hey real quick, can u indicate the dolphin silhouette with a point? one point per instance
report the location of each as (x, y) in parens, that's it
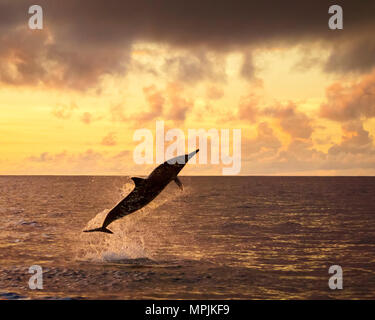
(146, 190)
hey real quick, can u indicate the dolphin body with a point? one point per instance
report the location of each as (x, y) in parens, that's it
(146, 190)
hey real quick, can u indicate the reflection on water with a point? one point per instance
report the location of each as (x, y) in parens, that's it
(222, 237)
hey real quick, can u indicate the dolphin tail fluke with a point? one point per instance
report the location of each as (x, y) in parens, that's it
(101, 229)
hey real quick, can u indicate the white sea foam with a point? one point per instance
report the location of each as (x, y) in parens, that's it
(130, 233)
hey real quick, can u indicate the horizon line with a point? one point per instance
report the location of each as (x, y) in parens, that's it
(119, 175)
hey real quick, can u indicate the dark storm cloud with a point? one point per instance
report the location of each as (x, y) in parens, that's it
(12, 13)
(355, 56)
(92, 38)
(213, 23)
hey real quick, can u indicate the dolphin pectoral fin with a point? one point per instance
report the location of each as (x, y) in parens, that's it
(179, 183)
(138, 181)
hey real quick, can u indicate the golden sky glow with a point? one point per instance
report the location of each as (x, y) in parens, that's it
(296, 118)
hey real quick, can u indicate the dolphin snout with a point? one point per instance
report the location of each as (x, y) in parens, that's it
(191, 154)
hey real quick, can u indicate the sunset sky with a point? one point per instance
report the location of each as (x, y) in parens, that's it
(72, 94)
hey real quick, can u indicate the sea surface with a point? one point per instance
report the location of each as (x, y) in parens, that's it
(220, 238)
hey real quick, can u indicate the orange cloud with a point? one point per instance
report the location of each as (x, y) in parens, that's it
(351, 101)
(86, 117)
(248, 108)
(109, 139)
(64, 111)
(294, 122)
(355, 140)
(214, 93)
(170, 103)
(155, 101)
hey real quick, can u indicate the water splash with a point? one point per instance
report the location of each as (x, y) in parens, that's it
(131, 233)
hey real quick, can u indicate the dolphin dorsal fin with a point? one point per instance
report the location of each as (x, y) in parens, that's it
(138, 181)
(179, 183)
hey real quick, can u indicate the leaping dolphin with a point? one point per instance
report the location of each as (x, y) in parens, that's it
(146, 190)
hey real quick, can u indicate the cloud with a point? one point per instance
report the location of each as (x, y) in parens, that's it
(214, 93)
(196, 65)
(76, 49)
(179, 103)
(170, 102)
(86, 117)
(353, 55)
(355, 140)
(265, 154)
(123, 154)
(118, 113)
(211, 23)
(47, 157)
(87, 162)
(347, 102)
(266, 141)
(292, 121)
(87, 156)
(22, 56)
(109, 139)
(63, 111)
(249, 70)
(248, 108)
(310, 57)
(155, 100)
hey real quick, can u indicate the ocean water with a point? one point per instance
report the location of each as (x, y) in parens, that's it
(221, 238)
